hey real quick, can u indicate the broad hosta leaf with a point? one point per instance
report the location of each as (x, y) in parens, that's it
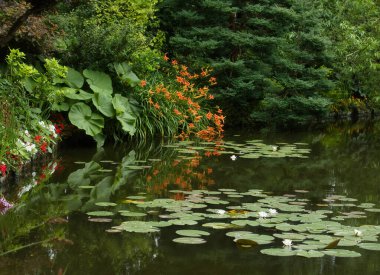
(124, 114)
(99, 82)
(76, 94)
(103, 102)
(124, 71)
(74, 79)
(81, 116)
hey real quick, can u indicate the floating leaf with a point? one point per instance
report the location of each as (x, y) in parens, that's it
(192, 233)
(341, 253)
(105, 204)
(137, 226)
(189, 240)
(278, 252)
(245, 242)
(310, 254)
(100, 213)
(370, 246)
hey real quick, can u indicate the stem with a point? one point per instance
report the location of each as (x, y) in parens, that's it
(22, 247)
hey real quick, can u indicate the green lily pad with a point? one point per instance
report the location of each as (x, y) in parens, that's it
(100, 213)
(189, 240)
(126, 213)
(310, 254)
(192, 233)
(219, 225)
(370, 246)
(282, 252)
(137, 226)
(341, 253)
(105, 204)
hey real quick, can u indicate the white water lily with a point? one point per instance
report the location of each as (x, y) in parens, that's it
(233, 157)
(220, 211)
(287, 242)
(275, 148)
(358, 233)
(272, 211)
(263, 214)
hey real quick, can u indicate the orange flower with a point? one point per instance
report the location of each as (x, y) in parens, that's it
(177, 112)
(143, 83)
(166, 58)
(210, 97)
(174, 62)
(209, 115)
(157, 106)
(212, 80)
(191, 125)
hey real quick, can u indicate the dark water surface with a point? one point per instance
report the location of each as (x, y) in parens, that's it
(49, 232)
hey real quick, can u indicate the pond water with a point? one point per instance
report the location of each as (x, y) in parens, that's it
(117, 210)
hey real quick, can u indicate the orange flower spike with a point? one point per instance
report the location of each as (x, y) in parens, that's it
(212, 81)
(209, 115)
(143, 83)
(178, 113)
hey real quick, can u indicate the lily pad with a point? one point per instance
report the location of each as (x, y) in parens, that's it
(189, 240)
(310, 254)
(100, 213)
(341, 253)
(105, 204)
(192, 233)
(282, 252)
(370, 246)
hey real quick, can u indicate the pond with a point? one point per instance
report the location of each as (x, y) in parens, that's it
(254, 203)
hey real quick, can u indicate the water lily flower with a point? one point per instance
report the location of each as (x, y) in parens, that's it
(220, 211)
(233, 157)
(358, 233)
(272, 211)
(287, 242)
(275, 148)
(263, 214)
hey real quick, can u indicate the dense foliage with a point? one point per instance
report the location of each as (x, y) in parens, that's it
(279, 63)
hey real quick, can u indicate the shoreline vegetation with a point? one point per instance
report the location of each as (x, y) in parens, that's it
(127, 69)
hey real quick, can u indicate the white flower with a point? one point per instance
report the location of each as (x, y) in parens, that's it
(275, 148)
(27, 133)
(287, 242)
(263, 214)
(42, 123)
(358, 233)
(272, 211)
(51, 128)
(220, 211)
(34, 174)
(233, 157)
(30, 147)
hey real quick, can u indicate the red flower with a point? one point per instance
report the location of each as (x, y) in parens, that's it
(37, 139)
(3, 169)
(43, 147)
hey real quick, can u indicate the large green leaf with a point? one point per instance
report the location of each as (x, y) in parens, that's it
(76, 94)
(81, 116)
(74, 79)
(124, 114)
(99, 82)
(103, 102)
(125, 72)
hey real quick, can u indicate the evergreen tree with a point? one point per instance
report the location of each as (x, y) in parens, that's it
(268, 55)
